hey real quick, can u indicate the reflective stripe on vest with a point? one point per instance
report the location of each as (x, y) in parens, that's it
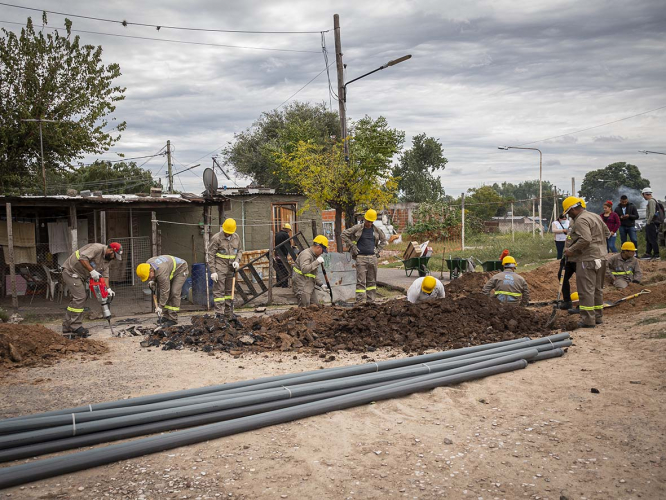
(224, 256)
(173, 271)
(171, 308)
(78, 255)
(622, 272)
(308, 275)
(74, 309)
(371, 288)
(587, 308)
(512, 294)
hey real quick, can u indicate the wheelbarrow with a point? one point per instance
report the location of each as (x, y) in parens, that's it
(419, 264)
(492, 265)
(456, 266)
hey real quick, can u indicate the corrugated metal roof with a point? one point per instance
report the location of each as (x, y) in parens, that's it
(117, 198)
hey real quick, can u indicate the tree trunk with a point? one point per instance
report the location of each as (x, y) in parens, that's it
(338, 228)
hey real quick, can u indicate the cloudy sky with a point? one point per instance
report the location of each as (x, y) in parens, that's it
(483, 74)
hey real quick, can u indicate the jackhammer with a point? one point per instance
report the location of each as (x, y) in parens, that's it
(99, 290)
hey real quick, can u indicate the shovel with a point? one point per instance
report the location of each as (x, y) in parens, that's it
(159, 316)
(551, 320)
(624, 299)
(328, 283)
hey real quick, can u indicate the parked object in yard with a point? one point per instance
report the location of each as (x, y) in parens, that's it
(419, 264)
(456, 267)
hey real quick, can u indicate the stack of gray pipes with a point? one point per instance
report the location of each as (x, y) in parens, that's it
(222, 410)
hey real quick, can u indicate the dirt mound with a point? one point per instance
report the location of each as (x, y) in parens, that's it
(656, 297)
(30, 345)
(438, 324)
(543, 282)
(466, 284)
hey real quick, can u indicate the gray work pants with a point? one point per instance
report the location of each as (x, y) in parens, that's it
(304, 289)
(78, 291)
(366, 278)
(222, 292)
(590, 284)
(172, 305)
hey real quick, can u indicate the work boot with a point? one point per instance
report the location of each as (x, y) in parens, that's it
(646, 257)
(584, 325)
(565, 305)
(656, 258)
(80, 333)
(598, 321)
(574, 310)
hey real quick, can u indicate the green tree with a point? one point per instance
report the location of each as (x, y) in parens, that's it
(51, 76)
(110, 178)
(255, 151)
(435, 221)
(416, 181)
(484, 202)
(527, 190)
(364, 181)
(606, 183)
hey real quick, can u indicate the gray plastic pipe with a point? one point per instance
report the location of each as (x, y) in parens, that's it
(42, 469)
(24, 438)
(246, 384)
(60, 420)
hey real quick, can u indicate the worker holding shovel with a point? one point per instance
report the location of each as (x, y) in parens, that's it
(305, 278)
(224, 254)
(165, 274)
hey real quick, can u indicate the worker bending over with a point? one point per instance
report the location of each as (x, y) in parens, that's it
(90, 261)
(166, 274)
(427, 288)
(365, 241)
(304, 278)
(588, 250)
(623, 268)
(224, 254)
(509, 286)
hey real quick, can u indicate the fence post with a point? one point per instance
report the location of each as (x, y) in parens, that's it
(271, 247)
(513, 234)
(533, 217)
(206, 239)
(462, 236)
(10, 251)
(102, 226)
(131, 242)
(73, 231)
(153, 234)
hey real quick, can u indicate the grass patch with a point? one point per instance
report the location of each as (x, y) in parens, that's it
(659, 334)
(651, 321)
(654, 307)
(4, 315)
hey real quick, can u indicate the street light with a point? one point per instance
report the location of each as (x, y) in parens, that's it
(41, 143)
(651, 152)
(506, 148)
(344, 94)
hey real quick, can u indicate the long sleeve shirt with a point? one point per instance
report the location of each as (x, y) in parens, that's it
(416, 295)
(306, 265)
(650, 210)
(223, 251)
(588, 237)
(618, 268)
(509, 288)
(94, 254)
(630, 211)
(612, 221)
(165, 267)
(350, 237)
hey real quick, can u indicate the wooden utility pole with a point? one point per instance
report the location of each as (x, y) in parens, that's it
(73, 228)
(513, 234)
(153, 233)
(533, 218)
(271, 252)
(206, 241)
(102, 226)
(462, 211)
(573, 186)
(10, 251)
(342, 99)
(170, 173)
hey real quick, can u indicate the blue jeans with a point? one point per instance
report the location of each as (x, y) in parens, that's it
(628, 231)
(610, 244)
(560, 249)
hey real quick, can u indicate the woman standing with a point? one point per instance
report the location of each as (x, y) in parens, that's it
(560, 228)
(612, 220)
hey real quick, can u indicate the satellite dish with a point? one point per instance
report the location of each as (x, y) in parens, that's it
(210, 181)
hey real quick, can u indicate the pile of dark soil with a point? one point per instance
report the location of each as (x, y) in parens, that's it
(466, 284)
(438, 324)
(30, 345)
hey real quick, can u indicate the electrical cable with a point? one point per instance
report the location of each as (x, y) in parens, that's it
(157, 26)
(290, 97)
(170, 40)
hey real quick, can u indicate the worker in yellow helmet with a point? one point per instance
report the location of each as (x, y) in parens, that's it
(509, 287)
(224, 254)
(365, 241)
(281, 255)
(426, 288)
(304, 278)
(166, 275)
(587, 249)
(623, 268)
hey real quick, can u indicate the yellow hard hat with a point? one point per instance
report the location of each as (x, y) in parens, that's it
(574, 297)
(321, 240)
(582, 203)
(508, 260)
(428, 284)
(287, 226)
(629, 246)
(570, 202)
(143, 271)
(371, 215)
(229, 226)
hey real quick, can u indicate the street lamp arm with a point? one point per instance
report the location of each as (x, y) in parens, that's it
(651, 152)
(387, 65)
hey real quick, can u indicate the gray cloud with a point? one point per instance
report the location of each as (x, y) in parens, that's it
(610, 138)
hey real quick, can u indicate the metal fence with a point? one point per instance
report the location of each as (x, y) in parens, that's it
(132, 296)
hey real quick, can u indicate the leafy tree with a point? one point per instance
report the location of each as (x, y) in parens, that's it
(255, 151)
(51, 76)
(607, 183)
(435, 221)
(110, 178)
(322, 174)
(527, 190)
(416, 168)
(484, 202)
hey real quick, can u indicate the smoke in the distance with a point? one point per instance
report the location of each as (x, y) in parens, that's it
(613, 195)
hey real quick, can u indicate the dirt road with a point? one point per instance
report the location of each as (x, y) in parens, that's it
(536, 433)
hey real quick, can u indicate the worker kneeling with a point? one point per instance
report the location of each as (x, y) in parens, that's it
(427, 288)
(304, 278)
(509, 286)
(623, 268)
(166, 275)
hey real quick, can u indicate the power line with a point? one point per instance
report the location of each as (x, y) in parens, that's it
(292, 95)
(177, 41)
(159, 26)
(596, 126)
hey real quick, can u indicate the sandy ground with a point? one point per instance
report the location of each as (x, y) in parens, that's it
(536, 433)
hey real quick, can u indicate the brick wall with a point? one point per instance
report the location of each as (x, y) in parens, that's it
(328, 221)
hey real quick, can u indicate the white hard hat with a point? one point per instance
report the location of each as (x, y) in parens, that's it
(647, 190)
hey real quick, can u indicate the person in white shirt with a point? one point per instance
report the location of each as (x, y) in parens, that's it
(560, 229)
(426, 288)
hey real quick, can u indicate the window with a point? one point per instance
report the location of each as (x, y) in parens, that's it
(329, 230)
